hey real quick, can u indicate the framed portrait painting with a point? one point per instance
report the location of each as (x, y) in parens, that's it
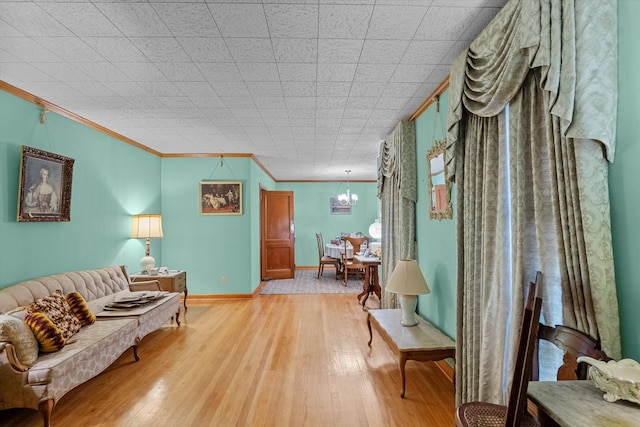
(44, 192)
(220, 198)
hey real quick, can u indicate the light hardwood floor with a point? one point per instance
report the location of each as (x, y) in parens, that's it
(276, 360)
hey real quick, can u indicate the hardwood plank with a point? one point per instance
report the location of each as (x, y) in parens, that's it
(275, 360)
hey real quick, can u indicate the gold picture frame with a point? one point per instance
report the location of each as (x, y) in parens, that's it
(220, 197)
(44, 192)
(438, 188)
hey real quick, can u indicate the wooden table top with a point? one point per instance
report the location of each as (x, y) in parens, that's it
(410, 338)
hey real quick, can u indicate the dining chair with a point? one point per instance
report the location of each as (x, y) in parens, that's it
(324, 259)
(352, 263)
(484, 414)
(574, 343)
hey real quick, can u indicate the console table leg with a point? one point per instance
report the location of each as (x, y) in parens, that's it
(402, 362)
(369, 325)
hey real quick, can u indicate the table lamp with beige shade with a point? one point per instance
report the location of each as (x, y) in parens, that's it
(407, 281)
(146, 226)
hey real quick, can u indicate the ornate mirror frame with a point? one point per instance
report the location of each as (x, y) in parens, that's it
(438, 188)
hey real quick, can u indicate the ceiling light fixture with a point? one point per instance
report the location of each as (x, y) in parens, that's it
(348, 198)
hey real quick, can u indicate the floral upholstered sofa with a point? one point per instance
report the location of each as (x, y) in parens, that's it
(33, 378)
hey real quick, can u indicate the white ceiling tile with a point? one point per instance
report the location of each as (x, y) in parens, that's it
(391, 103)
(31, 20)
(336, 72)
(331, 102)
(270, 102)
(178, 102)
(329, 113)
(23, 48)
(126, 88)
(6, 30)
(300, 102)
(21, 70)
(295, 50)
(161, 88)
(220, 72)
(102, 71)
(82, 19)
(302, 113)
(232, 102)
(194, 89)
(344, 21)
(383, 51)
(205, 49)
(292, 21)
(140, 71)
(115, 49)
(258, 89)
(357, 113)
(333, 88)
(481, 21)
(299, 88)
(339, 51)
(297, 72)
(393, 23)
(400, 89)
(240, 20)
(231, 89)
(374, 72)
(134, 19)
(357, 102)
(371, 89)
(180, 72)
(446, 23)
(426, 52)
(161, 49)
(411, 73)
(69, 49)
(274, 113)
(188, 19)
(259, 72)
(251, 50)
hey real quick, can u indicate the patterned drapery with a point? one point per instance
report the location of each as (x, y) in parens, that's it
(397, 191)
(532, 109)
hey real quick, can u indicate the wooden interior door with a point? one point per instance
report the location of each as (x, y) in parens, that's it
(277, 235)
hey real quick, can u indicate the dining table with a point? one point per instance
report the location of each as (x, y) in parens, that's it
(335, 251)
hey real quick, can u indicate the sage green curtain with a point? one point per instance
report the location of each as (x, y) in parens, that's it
(532, 109)
(397, 191)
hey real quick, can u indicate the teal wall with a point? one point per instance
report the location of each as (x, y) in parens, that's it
(312, 214)
(111, 181)
(436, 238)
(624, 178)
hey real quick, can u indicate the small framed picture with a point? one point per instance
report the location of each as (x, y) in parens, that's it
(220, 198)
(44, 192)
(339, 206)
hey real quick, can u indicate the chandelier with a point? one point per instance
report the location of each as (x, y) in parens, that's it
(348, 197)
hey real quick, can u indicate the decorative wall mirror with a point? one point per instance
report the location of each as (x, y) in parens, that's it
(439, 189)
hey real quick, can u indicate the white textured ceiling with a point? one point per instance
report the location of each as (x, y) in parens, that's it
(310, 87)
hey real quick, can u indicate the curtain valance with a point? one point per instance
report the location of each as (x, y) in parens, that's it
(547, 34)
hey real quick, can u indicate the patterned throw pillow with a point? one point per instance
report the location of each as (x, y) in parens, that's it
(80, 309)
(56, 308)
(16, 332)
(49, 337)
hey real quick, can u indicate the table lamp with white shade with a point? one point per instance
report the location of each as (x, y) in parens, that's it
(407, 281)
(146, 226)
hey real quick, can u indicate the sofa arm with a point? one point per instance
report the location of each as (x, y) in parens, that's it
(12, 357)
(149, 285)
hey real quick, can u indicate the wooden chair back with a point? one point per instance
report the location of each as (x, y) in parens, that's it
(524, 360)
(574, 343)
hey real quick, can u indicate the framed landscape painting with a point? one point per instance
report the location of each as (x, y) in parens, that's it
(220, 198)
(44, 192)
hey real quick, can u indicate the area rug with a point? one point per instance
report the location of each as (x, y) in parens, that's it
(305, 282)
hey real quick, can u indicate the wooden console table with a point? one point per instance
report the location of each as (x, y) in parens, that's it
(423, 342)
(173, 281)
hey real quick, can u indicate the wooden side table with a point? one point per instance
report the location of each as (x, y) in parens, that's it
(422, 342)
(172, 281)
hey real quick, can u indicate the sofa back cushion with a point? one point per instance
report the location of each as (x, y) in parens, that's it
(91, 284)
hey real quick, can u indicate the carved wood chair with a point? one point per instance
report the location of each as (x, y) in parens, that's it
(324, 259)
(484, 414)
(575, 343)
(352, 263)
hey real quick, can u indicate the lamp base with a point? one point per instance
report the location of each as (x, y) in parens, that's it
(408, 305)
(147, 262)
